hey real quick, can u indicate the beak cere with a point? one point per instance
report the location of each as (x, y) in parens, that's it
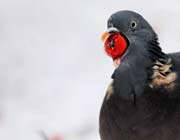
(115, 45)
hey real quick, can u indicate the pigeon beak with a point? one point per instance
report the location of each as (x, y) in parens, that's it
(107, 33)
(105, 36)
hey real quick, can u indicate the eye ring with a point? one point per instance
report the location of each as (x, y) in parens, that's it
(133, 24)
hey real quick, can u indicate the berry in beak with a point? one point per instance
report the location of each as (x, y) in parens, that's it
(115, 45)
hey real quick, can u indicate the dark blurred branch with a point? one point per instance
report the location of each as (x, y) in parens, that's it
(43, 135)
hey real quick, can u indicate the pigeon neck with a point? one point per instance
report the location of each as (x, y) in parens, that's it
(162, 74)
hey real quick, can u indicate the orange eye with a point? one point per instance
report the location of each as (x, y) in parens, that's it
(115, 45)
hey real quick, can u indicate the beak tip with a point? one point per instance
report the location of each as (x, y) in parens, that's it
(107, 33)
(104, 36)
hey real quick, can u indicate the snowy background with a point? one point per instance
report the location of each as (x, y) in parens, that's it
(53, 72)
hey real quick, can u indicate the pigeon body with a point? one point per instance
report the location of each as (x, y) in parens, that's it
(143, 100)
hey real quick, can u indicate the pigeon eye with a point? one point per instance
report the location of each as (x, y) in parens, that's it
(133, 24)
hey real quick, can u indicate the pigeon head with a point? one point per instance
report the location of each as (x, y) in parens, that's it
(129, 24)
(128, 31)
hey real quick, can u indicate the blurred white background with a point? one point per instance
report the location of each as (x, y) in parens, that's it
(53, 71)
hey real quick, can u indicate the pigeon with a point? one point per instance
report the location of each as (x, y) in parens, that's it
(143, 100)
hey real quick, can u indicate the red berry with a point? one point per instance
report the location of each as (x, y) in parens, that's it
(115, 45)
